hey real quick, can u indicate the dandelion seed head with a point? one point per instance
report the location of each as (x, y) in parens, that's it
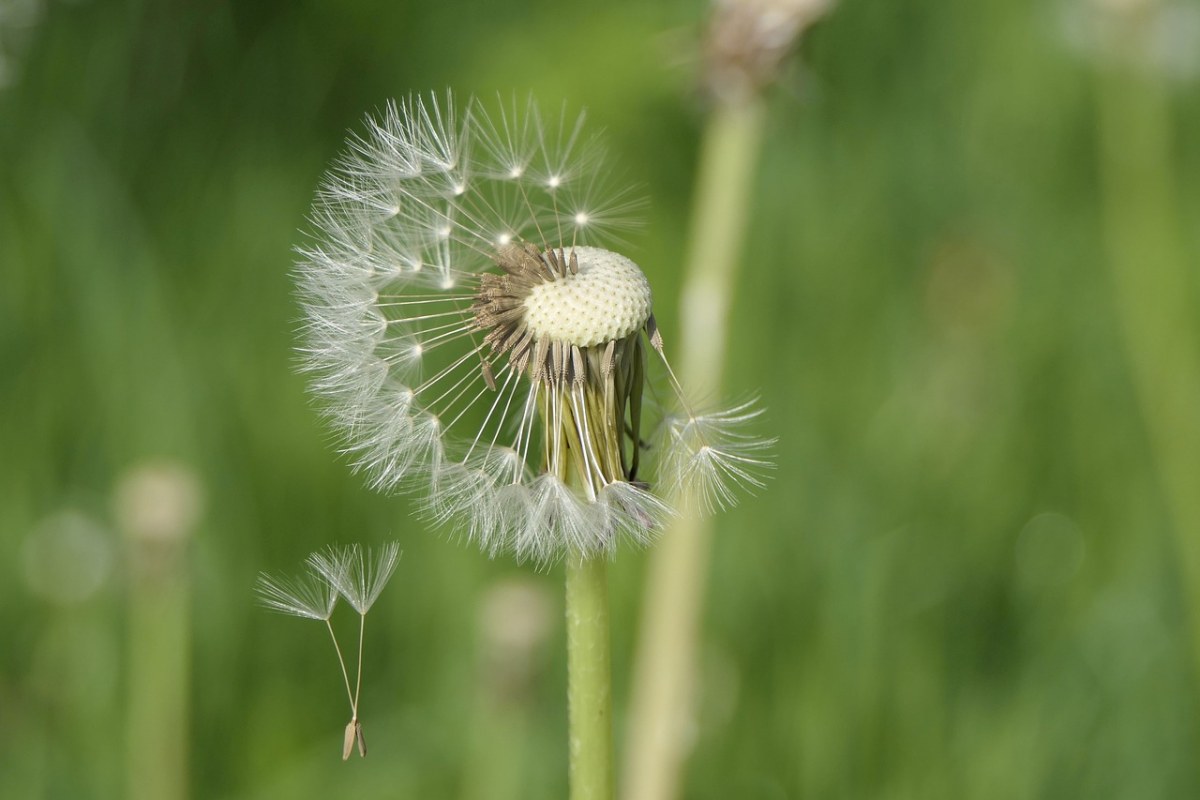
(477, 338)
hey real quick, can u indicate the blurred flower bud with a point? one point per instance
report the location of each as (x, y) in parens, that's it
(1161, 36)
(158, 502)
(748, 40)
(157, 506)
(515, 620)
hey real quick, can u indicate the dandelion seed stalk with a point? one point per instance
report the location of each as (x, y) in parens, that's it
(342, 663)
(362, 626)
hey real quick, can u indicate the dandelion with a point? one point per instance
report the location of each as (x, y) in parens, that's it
(473, 340)
(352, 573)
(357, 574)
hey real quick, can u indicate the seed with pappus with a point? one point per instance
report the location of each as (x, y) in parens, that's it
(475, 340)
(352, 572)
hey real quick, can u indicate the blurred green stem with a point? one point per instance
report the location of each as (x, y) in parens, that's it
(677, 575)
(159, 654)
(500, 745)
(1155, 294)
(589, 685)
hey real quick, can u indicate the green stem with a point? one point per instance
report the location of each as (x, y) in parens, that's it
(1155, 289)
(160, 650)
(728, 157)
(677, 574)
(589, 685)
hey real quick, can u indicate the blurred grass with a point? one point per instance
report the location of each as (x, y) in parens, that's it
(962, 582)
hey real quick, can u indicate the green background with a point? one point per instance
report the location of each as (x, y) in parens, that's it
(962, 580)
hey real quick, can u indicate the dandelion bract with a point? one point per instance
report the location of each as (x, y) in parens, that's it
(474, 338)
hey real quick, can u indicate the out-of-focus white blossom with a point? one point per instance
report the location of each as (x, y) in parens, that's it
(748, 40)
(1162, 36)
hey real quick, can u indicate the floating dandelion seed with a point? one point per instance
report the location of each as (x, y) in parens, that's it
(305, 596)
(356, 573)
(351, 572)
(473, 340)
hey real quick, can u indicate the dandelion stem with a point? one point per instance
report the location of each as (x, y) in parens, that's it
(589, 687)
(345, 677)
(159, 654)
(676, 577)
(1155, 297)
